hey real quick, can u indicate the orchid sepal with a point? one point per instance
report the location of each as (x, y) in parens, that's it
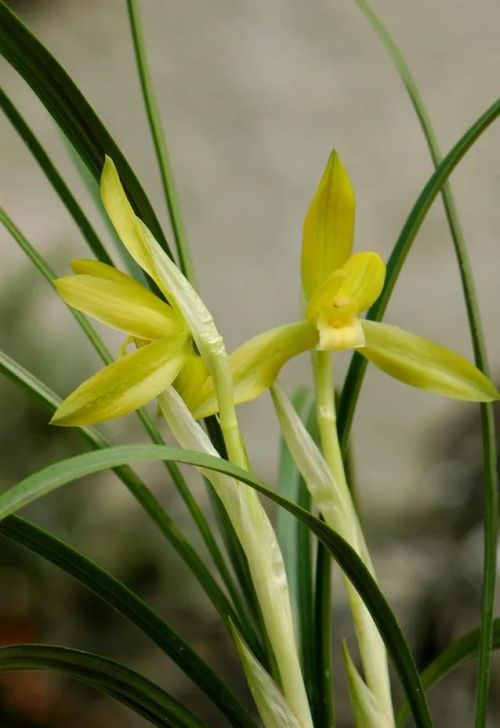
(328, 226)
(125, 385)
(424, 364)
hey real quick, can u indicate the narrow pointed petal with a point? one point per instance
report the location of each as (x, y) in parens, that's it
(366, 708)
(254, 366)
(123, 218)
(83, 266)
(125, 385)
(122, 303)
(424, 364)
(328, 227)
(270, 701)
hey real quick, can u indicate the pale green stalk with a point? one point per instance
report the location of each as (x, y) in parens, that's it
(261, 548)
(372, 649)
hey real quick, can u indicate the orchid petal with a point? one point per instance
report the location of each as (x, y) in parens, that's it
(121, 302)
(348, 290)
(424, 364)
(364, 279)
(125, 385)
(328, 227)
(84, 266)
(123, 217)
(254, 366)
(192, 377)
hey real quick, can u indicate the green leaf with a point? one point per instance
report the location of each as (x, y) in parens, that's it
(357, 367)
(323, 695)
(159, 142)
(110, 677)
(54, 178)
(490, 457)
(367, 712)
(270, 701)
(66, 471)
(93, 189)
(124, 601)
(44, 268)
(145, 497)
(71, 111)
(452, 657)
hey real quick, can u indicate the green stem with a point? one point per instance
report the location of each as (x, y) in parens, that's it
(490, 489)
(159, 142)
(327, 417)
(371, 646)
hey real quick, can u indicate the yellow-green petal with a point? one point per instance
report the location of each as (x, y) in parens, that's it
(328, 227)
(84, 266)
(424, 364)
(348, 290)
(364, 275)
(125, 385)
(123, 218)
(122, 303)
(254, 366)
(191, 379)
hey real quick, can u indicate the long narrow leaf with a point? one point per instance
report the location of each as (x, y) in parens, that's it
(43, 267)
(110, 677)
(71, 111)
(54, 178)
(144, 496)
(323, 695)
(93, 188)
(452, 657)
(159, 142)
(490, 458)
(124, 601)
(357, 367)
(53, 477)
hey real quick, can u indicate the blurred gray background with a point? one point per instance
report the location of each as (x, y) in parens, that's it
(253, 96)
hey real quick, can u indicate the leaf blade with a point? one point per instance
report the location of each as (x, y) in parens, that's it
(110, 677)
(127, 603)
(71, 111)
(63, 472)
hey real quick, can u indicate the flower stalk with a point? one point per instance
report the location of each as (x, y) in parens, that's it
(332, 498)
(261, 548)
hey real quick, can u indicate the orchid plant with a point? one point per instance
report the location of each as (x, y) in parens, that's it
(173, 353)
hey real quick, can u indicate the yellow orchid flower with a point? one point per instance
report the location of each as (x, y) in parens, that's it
(164, 342)
(339, 286)
(162, 334)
